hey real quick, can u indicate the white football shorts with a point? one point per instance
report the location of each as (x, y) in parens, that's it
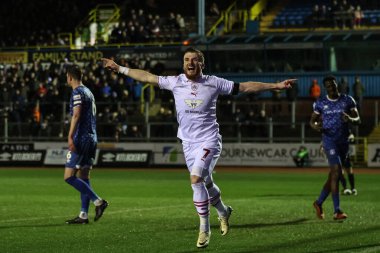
(201, 157)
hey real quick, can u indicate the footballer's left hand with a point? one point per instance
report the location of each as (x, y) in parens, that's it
(110, 64)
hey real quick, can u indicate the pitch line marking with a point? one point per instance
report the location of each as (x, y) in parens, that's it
(110, 212)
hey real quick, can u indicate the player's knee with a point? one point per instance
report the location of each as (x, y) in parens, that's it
(334, 174)
(70, 179)
(194, 179)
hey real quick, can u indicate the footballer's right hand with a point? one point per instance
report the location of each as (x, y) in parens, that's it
(110, 64)
(317, 125)
(71, 145)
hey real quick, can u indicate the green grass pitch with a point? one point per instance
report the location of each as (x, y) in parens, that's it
(152, 211)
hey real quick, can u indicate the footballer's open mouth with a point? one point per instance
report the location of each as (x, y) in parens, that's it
(190, 68)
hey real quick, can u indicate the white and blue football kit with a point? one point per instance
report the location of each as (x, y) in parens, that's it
(335, 130)
(85, 138)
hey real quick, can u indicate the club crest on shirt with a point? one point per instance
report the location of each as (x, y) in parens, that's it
(194, 86)
(332, 151)
(193, 103)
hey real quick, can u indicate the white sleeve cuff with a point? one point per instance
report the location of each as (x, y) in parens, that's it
(123, 70)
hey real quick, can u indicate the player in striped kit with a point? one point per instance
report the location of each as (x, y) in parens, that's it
(195, 97)
(332, 115)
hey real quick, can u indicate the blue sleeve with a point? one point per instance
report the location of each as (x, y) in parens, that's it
(317, 108)
(76, 98)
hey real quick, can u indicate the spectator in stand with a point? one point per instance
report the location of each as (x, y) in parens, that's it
(121, 90)
(141, 17)
(122, 120)
(125, 35)
(239, 115)
(18, 109)
(262, 121)
(163, 130)
(130, 32)
(358, 17)
(180, 24)
(172, 22)
(324, 16)
(135, 132)
(106, 92)
(315, 16)
(24, 89)
(345, 14)
(343, 86)
(358, 90)
(142, 35)
(154, 30)
(42, 91)
(45, 128)
(315, 90)
(6, 94)
(116, 34)
(180, 21)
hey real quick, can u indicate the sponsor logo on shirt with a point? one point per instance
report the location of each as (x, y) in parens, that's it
(193, 103)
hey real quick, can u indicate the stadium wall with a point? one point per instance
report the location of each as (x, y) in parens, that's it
(170, 154)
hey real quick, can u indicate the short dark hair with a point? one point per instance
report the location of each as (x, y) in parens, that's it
(198, 52)
(329, 78)
(75, 72)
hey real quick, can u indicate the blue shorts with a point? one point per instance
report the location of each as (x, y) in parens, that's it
(337, 153)
(83, 157)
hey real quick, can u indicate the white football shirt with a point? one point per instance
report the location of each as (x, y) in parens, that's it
(195, 103)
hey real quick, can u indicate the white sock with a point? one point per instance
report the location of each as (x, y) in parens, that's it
(98, 202)
(204, 223)
(216, 200)
(83, 215)
(201, 203)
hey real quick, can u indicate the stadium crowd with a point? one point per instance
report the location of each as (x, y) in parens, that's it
(140, 22)
(340, 13)
(34, 94)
